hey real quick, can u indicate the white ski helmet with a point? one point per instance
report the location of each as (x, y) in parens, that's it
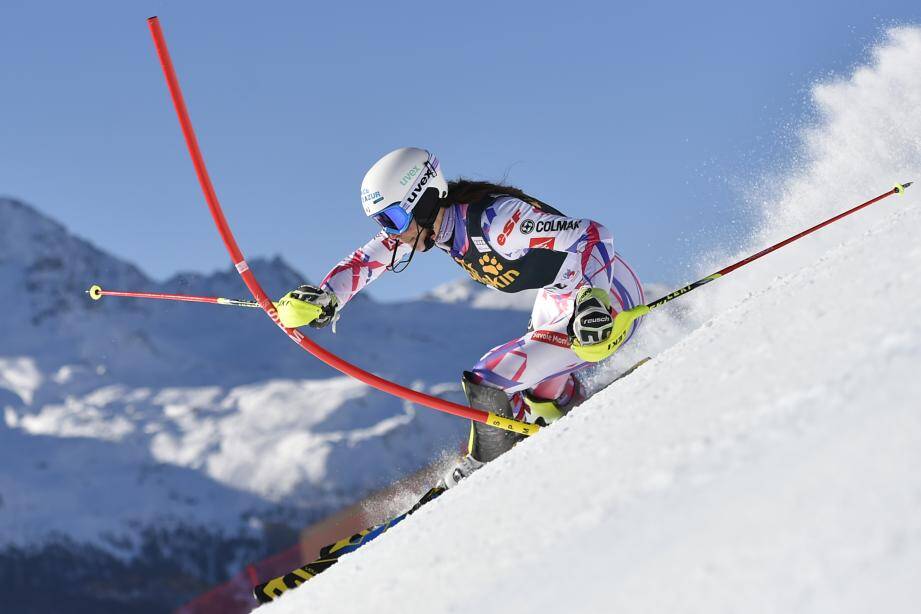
(394, 187)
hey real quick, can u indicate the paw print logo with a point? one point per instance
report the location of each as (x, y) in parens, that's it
(490, 265)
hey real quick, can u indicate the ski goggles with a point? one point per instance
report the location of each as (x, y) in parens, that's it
(394, 219)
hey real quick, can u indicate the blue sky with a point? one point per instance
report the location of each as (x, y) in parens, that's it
(656, 121)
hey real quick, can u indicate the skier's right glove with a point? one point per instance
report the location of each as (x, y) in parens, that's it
(308, 305)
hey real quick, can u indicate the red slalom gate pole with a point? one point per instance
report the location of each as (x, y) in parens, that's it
(256, 290)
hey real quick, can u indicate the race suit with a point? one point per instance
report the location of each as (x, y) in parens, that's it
(513, 245)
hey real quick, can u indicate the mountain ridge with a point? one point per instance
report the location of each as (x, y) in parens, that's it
(180, 385)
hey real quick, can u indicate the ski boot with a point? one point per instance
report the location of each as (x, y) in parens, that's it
(464, 468)
(545, 412)
(486, 443)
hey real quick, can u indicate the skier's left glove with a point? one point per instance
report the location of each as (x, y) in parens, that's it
(595, 335)
(308, 305)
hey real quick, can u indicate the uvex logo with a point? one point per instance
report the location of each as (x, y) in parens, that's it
(420, 185)
(409, 175)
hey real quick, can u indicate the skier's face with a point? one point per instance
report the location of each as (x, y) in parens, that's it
(412, 236)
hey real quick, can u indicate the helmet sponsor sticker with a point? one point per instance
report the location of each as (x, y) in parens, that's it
(419, 187)
(372, 197)
(406, 178)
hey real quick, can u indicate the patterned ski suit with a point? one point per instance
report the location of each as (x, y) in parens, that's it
(512, 245)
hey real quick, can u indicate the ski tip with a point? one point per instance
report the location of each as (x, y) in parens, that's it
(153, 18)
(95, 292)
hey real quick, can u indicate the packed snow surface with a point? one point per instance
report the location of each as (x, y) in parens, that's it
(767, 462)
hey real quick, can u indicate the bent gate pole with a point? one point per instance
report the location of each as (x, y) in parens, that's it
(256, 290)
(333, 360)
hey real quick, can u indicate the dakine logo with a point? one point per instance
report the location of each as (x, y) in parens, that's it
(526, 227)
(420, 186)
(556, 225)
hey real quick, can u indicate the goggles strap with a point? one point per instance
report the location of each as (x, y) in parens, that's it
(393, 264)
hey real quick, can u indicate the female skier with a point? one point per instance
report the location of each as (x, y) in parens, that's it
(589, 302)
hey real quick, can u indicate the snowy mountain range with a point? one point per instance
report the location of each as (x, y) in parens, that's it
(127, 423)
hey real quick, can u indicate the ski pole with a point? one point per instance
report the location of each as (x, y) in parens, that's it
(97, 293)
(236, 256)
(898, 189)
(623, 321)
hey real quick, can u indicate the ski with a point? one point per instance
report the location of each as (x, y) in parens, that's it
(636, 365)
(329, 555)
(619, 377)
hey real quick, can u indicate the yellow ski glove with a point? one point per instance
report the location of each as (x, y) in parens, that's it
(308, 305)
(595, 334)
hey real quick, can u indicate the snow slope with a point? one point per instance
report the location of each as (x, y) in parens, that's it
(166, 444)
(767, 462)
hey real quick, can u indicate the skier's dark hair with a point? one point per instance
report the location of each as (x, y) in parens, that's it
(460, 191)
(467, 191)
